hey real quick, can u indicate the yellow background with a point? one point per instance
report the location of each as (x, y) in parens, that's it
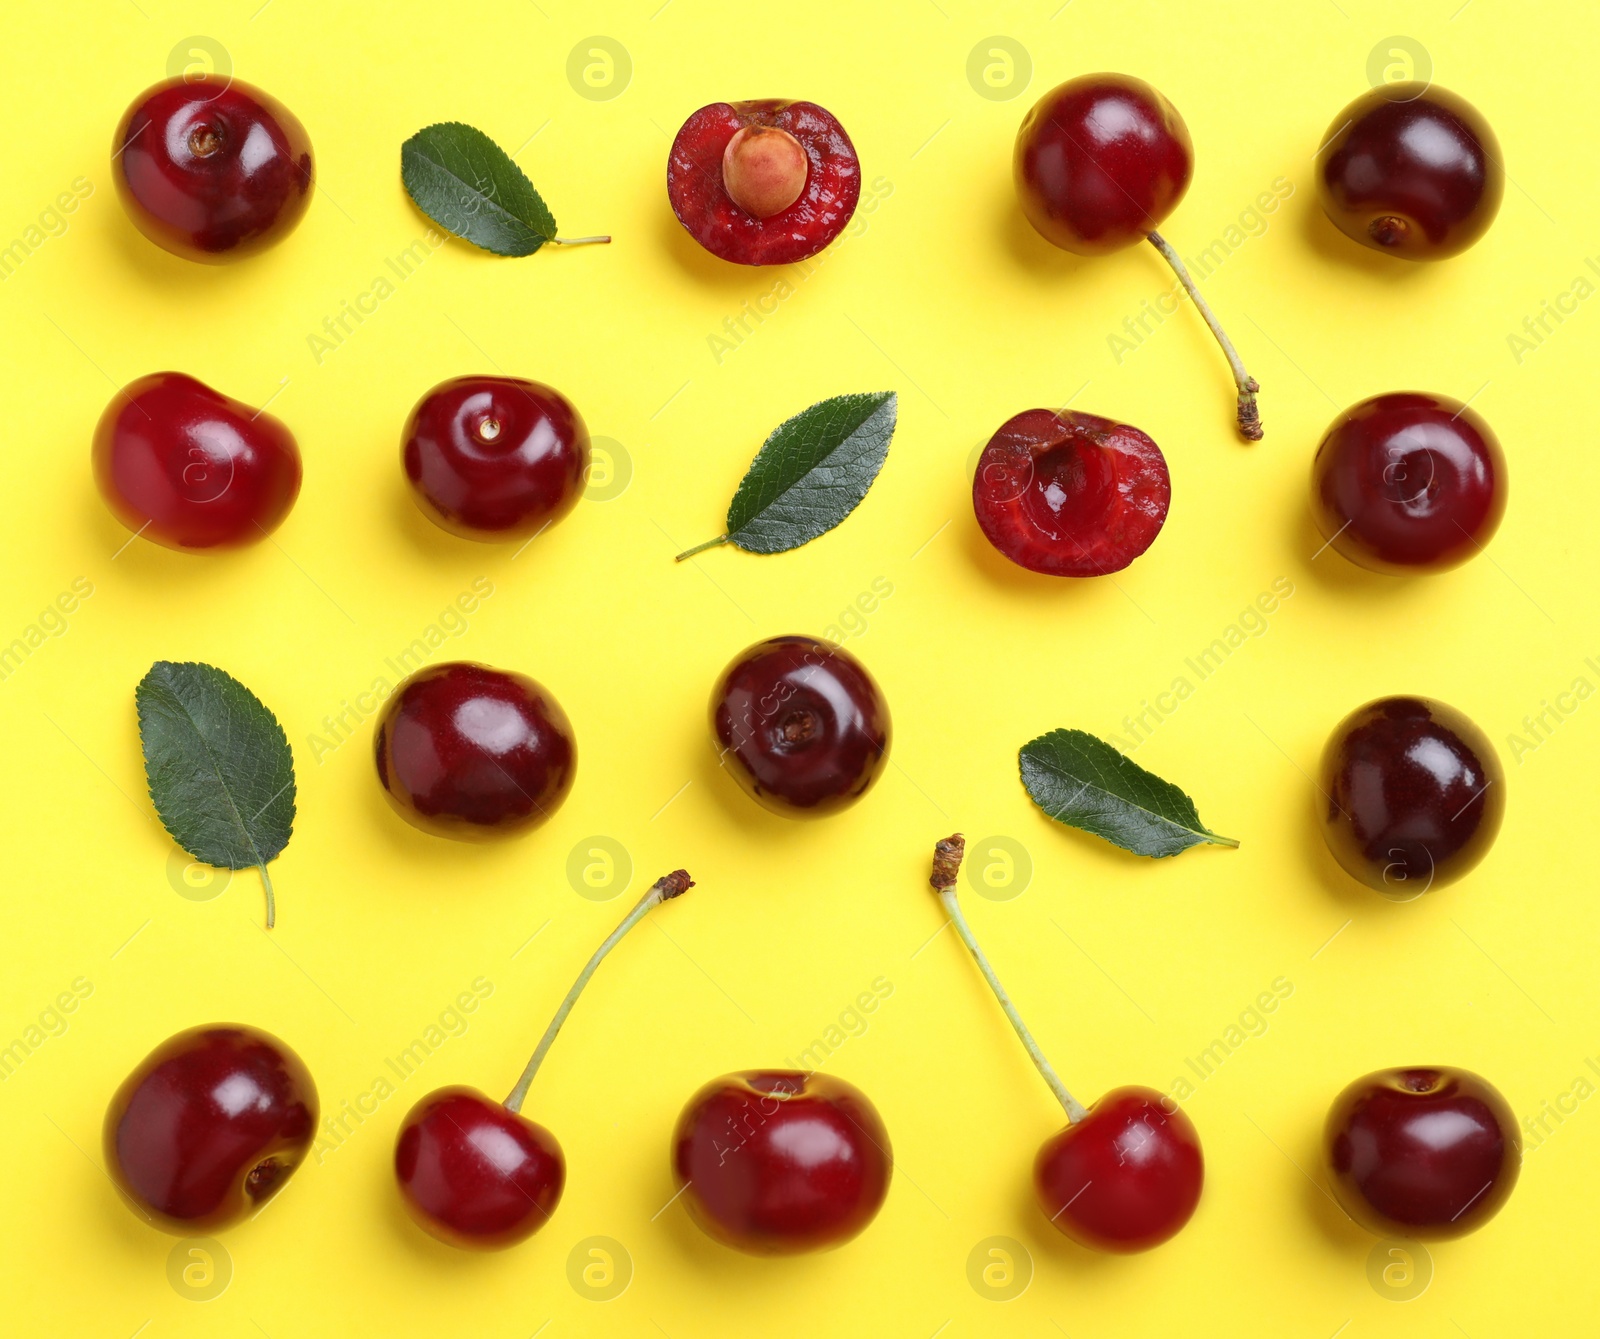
(1124, 967)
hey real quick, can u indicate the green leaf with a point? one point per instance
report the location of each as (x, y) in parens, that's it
(810, 474)
(468, 185)
(218, 764)
(1084, 782)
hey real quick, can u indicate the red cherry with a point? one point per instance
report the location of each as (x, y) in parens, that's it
(1408, 482)
(1412, 795)
(495, 458)
(474, 753)
(1126, 1173)
(476, 1173)
(1070, 494)
(190, 468)
(775, 1162)
(1100, 161)
(1124, 1178)
(209, 1126)
(1412, 170)
(800, 725)
(1431, 1152)
(709, 173)
(212, 169)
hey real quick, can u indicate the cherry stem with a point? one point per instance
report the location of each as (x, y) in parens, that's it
(577, 241)
(662, 890)
(1249, 414)
(701, 548)
(272, 907)
(947, 856)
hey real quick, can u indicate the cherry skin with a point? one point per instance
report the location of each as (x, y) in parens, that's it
(1413, 794)
(1411, 170)
(1431, 1152)
(475, 1175)
(775, 1162)
(800, 725)
(1408, 482)
(474, 753)
(1125, 1177)
(209, 1126)
(495, 458)
(1100, 162)
(733, 165)
(1070, 494)
(191, 468)
(212, 169)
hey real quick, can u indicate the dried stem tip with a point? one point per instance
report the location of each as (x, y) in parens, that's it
(947, 856)
(675, 884)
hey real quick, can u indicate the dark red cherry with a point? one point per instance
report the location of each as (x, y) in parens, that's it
(1100, 162)
(800, 725)
(1408, 482)
(1411, 169)
(775, 1162)
(190, 468)
(475, 1175)
(1431, 1152)
(495, 458)
(1126, 1176)
(734, 165)
(1412, 794)
(474, 753)
(209, 1126)
(1070, 494)
(212, 169)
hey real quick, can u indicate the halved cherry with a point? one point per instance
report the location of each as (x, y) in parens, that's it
(1070, 494)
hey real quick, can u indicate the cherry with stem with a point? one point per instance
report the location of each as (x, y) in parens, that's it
(1125, 1173)
(476, 1173)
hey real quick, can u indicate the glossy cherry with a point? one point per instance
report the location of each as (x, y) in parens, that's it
(1412, 170)
(1126, 1173)
(474, 753)
(212, 169)
(476, 1173)
(1070, 494)
(495, 458)
(1411, 795)
(1100, 161)
(800, 725)
(209, 1126)
(191, 468)
(767, 182)
(1429, 1152)
(775, 1162)
(1408, 482)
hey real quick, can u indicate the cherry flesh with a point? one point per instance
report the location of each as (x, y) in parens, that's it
(800, 725)
(474, 753)
(1124, 1178)
(1070, 494)
(474, 1174)
(1431, 1152)
(191, 468)
(212, 169)
(210, 1126)
(495, 458)
(1126, 1173)
(1412, 795)
(1412, 170)
(1100, 161)
(1408, 482)
(775, 1162)
(733, 162)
